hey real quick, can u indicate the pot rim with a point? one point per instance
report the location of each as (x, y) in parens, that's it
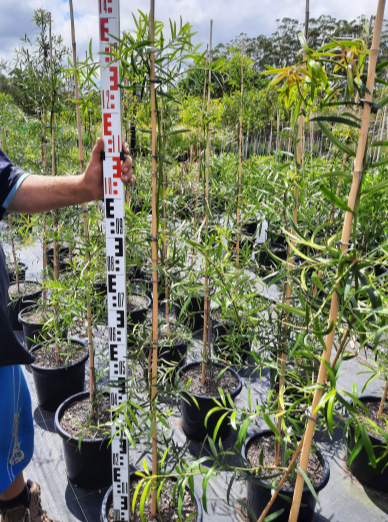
(40, 369)
(132, 474)
(139, 309)
(64, 434)
(25, 311)
(233, 394)
(317, 487)
(372, 398)
(37, 283)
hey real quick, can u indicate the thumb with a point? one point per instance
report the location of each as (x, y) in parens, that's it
(97, 149)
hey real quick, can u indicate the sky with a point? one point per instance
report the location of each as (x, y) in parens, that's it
(230, 18)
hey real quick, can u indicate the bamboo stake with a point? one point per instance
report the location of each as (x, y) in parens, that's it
(357, 178)
(240, 156)
(154, 264)
(383, 400)
(206, 300)
(164, 242)
(93, 387)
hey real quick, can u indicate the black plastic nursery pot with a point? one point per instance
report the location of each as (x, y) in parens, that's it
(171, 356)
(63, 253)
(22, 268)
(55, 385)
(139, 315)
(193, 415)
(266, 261)
(193, 312)
(377, 477)
(106, 503)
(222, 334)
(20, 303)
(259, 493)
(89, 463)
(33, 332)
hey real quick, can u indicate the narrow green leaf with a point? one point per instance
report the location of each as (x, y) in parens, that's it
(335, 141)
(273, 516)
(336, 119)
(308, 484)
(333, 198)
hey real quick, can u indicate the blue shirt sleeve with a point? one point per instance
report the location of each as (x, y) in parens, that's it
(11, 178)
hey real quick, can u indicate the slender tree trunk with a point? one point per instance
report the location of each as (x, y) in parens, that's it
(270, 141)
(206, 304)
(277, 137)
(200, 148)
(53, 167)
(240, 158)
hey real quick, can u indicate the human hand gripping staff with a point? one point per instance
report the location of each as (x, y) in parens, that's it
(21, 192)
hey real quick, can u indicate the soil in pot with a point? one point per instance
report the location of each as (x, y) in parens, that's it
(315, 469)
(69, 354)
(259, 493)
(79, 413)
(87, 455)
(374, 477)
(28, 294)
(198, 399)
(227, 381)
(167, 509)
(55, 382)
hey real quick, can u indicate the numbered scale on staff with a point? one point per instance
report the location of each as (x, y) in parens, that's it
(109, 19)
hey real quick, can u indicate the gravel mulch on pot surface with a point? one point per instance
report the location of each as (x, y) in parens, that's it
(69, 354)
(36, 317)
(167, 512)
(24, 288)
(79, 413)
(373, 409)
(227, 381)
(136, 302)
(315, 470)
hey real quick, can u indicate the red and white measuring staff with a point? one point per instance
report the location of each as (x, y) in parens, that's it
(109, 16)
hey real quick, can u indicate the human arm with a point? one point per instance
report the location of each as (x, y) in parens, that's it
(41, 193)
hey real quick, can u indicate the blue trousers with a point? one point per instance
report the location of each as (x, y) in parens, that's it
(16, 425)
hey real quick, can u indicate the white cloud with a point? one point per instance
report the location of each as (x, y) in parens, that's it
(230, 17)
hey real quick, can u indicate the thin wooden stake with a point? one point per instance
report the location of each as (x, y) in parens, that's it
(206, 300)
(200, 144)
(240, 156)
(53, 167)
(357, 178)
(154, 265)
(93, 386)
